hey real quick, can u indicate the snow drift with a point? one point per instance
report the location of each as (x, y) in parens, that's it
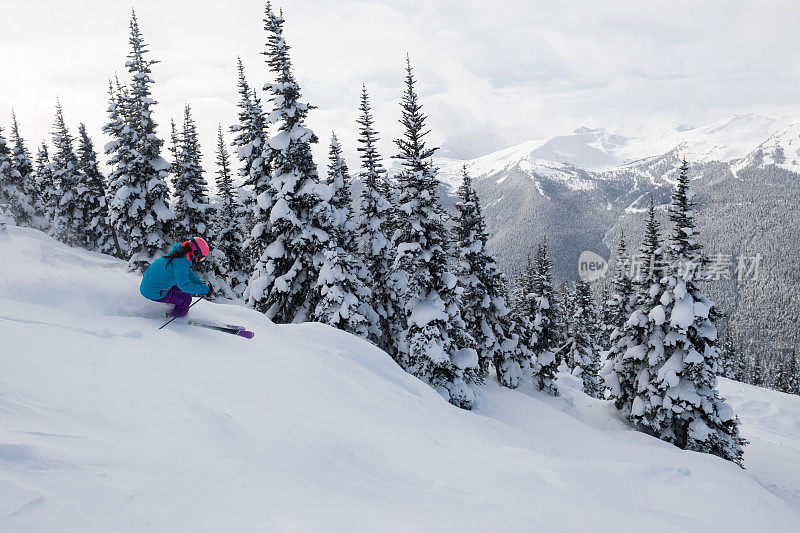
(107, 424)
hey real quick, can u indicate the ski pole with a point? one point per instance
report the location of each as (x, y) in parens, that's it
(187, 309)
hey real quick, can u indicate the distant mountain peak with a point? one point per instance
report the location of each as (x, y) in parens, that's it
(598, 149)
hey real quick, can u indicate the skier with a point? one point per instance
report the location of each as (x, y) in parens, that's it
(171, 280)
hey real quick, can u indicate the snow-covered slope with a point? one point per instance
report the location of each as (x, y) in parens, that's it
(107, 424)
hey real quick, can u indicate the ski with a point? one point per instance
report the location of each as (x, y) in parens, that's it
(232, 329)
(225, 329)
(231, 326)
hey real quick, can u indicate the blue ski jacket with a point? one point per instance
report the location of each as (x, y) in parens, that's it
(165, 273)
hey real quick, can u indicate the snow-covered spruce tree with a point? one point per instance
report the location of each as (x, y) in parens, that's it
(544, 320)
(582, 353)
(68, 223)
(120, 152)
(622, 299)
(252, 151)
(375, 232)
(98, 234)
(191, 205)
(341, 200)
(791, 371)
(9, 183)
(626, 371)
(566, 298)
(139, 203)
(483, 301)
(742, 369)
(46, 185)
(289, 233)
(681, 404)
(29, 201)
(230, 225)
(523, 311)
(174, 151)
(435, 344)
(728, 356)
(343, 282)
(756, 374)
(785, 373)
(603, 313)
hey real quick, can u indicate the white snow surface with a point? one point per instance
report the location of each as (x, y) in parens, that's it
(107, 424)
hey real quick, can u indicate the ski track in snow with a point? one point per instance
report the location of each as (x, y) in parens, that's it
(107, 424)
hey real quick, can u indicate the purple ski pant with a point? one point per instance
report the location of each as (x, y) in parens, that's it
(179, 299)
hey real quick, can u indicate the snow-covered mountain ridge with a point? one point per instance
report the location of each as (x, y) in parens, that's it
(583, 190)
(107, 424)
(597, 150)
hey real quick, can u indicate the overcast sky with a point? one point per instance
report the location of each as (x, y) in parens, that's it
(491, 73)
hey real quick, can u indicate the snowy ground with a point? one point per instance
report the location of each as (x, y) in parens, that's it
(109, 425)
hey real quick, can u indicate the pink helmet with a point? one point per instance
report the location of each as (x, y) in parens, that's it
(198, 244)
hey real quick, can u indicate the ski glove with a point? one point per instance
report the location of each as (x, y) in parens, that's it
(210, 289)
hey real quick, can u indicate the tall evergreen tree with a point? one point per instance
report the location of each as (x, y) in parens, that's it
(375, 231)
(9, 181)
(98, 232)
(191, 205)
(30, 206)
(343, 283)
(230, 225)
(483, 301)
(681, 404)
(68, 223)
(791, 369)
(742, 370)
(523, 311)
(544, 320)
(728, 356)
(626, 362)
(253, 152)
(566, 298)
(139, 204)
(341, 201)
(174, 149)
(46, 185)
(622, 299)
(290, 232)
(582, 353)
(435, 344)
(757, 373)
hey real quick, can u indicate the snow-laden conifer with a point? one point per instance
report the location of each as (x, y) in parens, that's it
(626, 371)
(543, 305)
(435, 344)
(9, 185)
(229, 227)
(191, 203)
(68, 222)
(139, 201)
(483, 301)
(622, 298)
(343, 284)
(290, 234)
(375, 232)
(253, 153)
(582, 355)
(45, 184)
(681, 404)
(29, 205)
(98, 234)
(728, 357)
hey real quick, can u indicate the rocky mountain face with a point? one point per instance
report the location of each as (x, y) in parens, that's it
(584, 190)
